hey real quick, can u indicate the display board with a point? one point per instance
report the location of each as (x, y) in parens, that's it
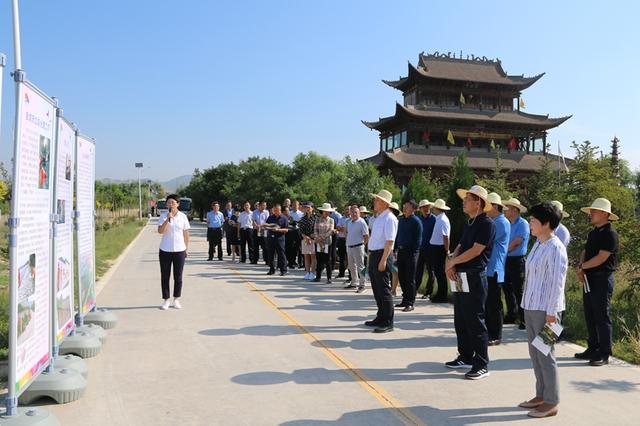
(85, 206)
(63, 259)
(31, 248)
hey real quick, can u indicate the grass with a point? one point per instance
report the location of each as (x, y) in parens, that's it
(111, 240)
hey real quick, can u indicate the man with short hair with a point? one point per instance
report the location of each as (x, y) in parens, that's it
(439, 249)
(260, 216)
(277, 226)
(495, 270)
(296, 215)
(245, 222)
(598, 262)
(467, 267)
(515, 264)
(341, 244)
(424, 256)
(357, 235)
(383, 236)
(408, 242)
(215, 221)
(333, 250)
(228, 214)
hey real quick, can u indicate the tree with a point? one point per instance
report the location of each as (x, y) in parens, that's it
(497, 180)
(461, 177)
(421, 186)
(317, 178)
(546, 185)
(362, 178)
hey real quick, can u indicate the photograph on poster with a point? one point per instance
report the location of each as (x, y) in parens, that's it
(63, 273)
(67, 169)
(60, 210)
(43, 181)
(27, 278)
(26, 325)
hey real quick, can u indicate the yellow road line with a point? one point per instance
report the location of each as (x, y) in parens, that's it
(403, 413)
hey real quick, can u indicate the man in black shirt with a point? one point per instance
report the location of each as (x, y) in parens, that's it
(598, 261)
(467, 265)
(277, 227)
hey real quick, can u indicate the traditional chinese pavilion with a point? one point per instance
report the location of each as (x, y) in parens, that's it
(452, 104)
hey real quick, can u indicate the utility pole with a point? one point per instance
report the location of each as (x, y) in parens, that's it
(139, 167)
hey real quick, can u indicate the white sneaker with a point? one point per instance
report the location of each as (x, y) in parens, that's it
(176, 304)
(308, 276)
(165, 305)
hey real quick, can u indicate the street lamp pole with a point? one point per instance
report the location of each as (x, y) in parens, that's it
(139, 167)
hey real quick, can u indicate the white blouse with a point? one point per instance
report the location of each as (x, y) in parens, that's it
(546, 272)
(173, 237)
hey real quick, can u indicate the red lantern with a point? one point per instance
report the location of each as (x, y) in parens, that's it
(425, 136)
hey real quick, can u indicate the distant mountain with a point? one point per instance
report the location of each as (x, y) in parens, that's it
(175, 183)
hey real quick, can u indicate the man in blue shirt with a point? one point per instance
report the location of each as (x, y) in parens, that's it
(514, 267)
(276, 240)
(228, 213)
(408, 242)
(495, 270)
(428, 223)
(215, 221)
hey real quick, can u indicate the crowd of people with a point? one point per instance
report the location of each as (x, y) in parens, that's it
(396, 245)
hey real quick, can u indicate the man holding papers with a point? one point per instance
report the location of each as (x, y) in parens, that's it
(468, 266)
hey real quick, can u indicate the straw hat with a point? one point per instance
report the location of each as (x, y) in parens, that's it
(326, 207)
(363, 209)
(384, 195)
(394, 206)
(513, 202)
(601, 204)
(494, 198)
(559, 206)
(440, 205)
(424, 203)
(478, 191)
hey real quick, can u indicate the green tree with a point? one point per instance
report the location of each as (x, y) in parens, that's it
(317, 178)
(497, 180)
(546, 185)
(421, 186)
(362, 178)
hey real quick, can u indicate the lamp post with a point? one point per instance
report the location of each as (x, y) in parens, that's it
(139, 167)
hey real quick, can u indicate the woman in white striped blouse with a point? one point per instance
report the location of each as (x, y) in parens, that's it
(543, 300)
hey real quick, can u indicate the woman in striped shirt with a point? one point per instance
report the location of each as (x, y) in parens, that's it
(542, 301)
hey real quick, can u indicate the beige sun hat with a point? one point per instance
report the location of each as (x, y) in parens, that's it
(440, 205)
(424, 203)
(514, 202)
(478, 191)
(601, 204)
(384, 195)
(394, 207)
(560, 207)
(326, 207)
(494, 198)
(363, 209)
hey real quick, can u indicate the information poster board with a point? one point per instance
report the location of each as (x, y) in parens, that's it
(85, 205)
(63, 243)
(31, 255)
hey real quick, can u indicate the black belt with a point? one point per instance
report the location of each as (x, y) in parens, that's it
(376, 251)
(356, 245)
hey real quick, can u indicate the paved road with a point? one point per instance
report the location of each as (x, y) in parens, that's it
(248, 349)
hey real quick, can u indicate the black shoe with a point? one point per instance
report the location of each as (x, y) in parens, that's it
(220, 259)
(283, 273)
(373, 323)
(349, 286)
(426, 297)
(271, 272)
(439, 300)
(509, 320)
(316, 280)
(408, 308)
(457, 363)
(254, 263)
(599, 362)
(494, 342)
(360, 290)
(401, 305)
(522, 326)
(383, 329)
(210, 259)
(329, 281)
(588, 355)
(477, 374)
(340, 276)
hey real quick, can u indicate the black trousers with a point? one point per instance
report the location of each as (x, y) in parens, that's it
(438, 258)
(214, 236)
(494, 309)
(333, 252)
(407, 260)
(381, 286)
(167, 260)
(322, 262)
(513, 286)
(468, 317)
(246, 241)
(597, 312)
(275, 246)
(425, 262)
(258, 243)
(341, 246)
(292, 247)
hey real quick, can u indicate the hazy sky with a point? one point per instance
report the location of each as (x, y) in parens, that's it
(180, 85)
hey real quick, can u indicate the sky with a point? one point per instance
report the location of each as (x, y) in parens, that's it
(191, 84)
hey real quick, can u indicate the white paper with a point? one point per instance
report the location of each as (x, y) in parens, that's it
(586, 286)
(553, 332)
(461, 285)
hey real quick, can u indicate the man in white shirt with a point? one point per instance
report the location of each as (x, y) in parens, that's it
(245, 223)
(383, 236)
(357, 236)
(439, 247)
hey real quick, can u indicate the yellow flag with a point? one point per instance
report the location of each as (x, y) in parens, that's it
(521, 103)
(450, 138)
(493, 144)
(462, 100)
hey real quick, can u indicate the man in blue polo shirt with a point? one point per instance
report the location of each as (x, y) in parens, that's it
(408, 242)
(215, 221)
(495, 270)
(514, 267)
(467, 266)
(428, 223)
